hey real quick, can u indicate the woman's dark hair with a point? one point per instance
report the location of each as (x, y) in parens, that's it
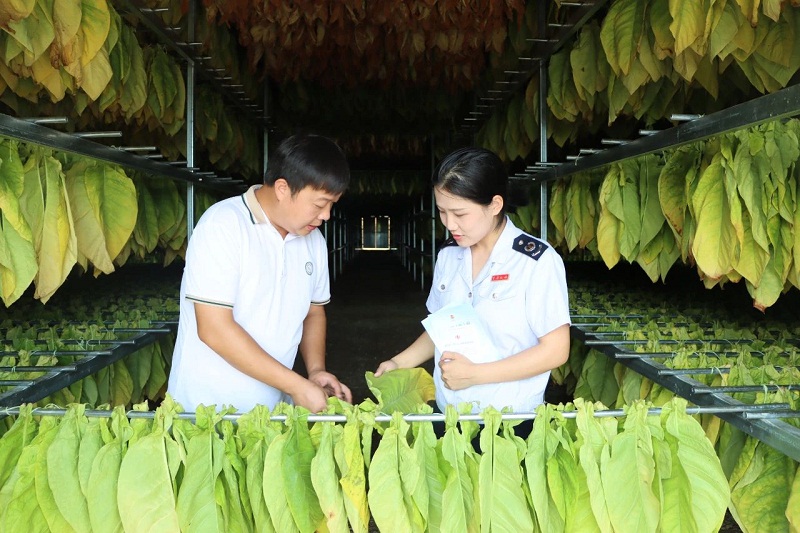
(475, 174)
(309, 160)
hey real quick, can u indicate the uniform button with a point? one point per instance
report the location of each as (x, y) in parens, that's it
(441, 286)
(494, 296)
(469, 295)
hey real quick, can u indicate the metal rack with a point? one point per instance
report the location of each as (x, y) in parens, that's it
(435, 417)
(553, 36)
(30, 131)
(87, 362)
(413, 251)
(764, 424)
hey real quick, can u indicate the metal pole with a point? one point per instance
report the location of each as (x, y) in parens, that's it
(542, 23)
(422, 247)
(190, 85)
(433, 212)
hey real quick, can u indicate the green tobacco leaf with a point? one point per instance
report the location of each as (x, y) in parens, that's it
(195, 505)
(325, 479)
(503, 505)
(725, 30)
(459, 506)
(672, 186)
(688, 23)
(715, 238)
(649, 205)
(145, 494)
(101, 498)
(35, 32)
(621, 32)
(589, 66)
(628, 473)
(94, 29)
(402, 389)
(387, 498)
(18, 265)
(697, 466)
(104, 208)
(62, 471)
(15, 10)
(760, 486)
(296, 471)
(609, 225)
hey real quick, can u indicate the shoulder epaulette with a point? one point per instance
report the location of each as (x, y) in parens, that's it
(530, 246)
(449, 242)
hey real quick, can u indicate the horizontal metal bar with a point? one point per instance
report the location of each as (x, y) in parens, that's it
(434, 417)
(26, 131)
(60, 353)
(783, 103)
(698, 342)
(668, 355)
(728, 389)
(98, 134)
(60, 368)
(16, 382)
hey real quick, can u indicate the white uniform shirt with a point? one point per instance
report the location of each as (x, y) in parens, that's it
(521, 295)
(237, 259)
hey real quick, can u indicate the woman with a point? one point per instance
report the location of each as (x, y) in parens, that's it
(515, 282)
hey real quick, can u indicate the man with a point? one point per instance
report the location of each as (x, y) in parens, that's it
(255, 285)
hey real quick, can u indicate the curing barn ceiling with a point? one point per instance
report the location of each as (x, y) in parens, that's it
(381, 76)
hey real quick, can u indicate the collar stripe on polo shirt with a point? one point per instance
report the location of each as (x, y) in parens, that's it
(257, 214)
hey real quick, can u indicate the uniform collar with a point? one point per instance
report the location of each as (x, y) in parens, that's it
(257, 215)
(503, 247)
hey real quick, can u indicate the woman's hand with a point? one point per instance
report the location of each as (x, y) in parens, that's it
(386, 366)
(458, 372)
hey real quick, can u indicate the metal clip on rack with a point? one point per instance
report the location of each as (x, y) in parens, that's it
(762, 422)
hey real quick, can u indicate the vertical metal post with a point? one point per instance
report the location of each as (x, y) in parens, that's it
(543, 126)
(266, 133)
(414, 243)
(433, 213)
(422, 245)
(190, 77)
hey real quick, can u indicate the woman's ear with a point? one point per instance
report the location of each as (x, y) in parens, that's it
(497, 204)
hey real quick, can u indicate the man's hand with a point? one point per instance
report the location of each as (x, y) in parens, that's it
(386, 366)
(311, 396)
(458, 372)
(331, 385)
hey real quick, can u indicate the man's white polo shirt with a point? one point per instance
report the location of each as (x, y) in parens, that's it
(237, 259)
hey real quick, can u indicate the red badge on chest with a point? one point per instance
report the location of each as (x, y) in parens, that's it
(500, 277)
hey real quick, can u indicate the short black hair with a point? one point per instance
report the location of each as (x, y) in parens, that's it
(309, 160)
(472, 173)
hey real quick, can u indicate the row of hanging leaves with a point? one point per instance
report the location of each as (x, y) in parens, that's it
(648, 473)
(728, 206)
(436, 44)
(59, 210)
(645, 59)
(84, 61)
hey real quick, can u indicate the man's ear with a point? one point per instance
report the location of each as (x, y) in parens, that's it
(282, 190)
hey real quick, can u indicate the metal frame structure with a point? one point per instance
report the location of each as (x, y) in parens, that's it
(764, 423)
(88, 362)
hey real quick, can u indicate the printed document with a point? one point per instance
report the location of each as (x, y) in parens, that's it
(458, 328)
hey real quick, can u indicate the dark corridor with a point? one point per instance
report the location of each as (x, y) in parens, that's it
(375, 312)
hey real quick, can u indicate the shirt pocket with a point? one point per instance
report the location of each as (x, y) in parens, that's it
(447, 291)
(502, 294)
